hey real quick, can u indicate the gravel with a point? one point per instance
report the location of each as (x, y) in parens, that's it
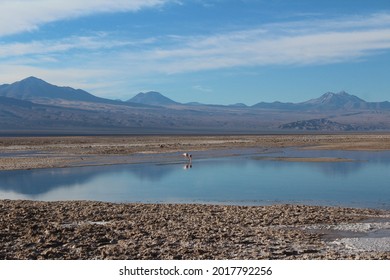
(97, 230)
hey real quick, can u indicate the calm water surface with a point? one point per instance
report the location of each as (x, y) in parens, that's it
(240, 180)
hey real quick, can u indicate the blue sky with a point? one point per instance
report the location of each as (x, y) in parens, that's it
(219, 51)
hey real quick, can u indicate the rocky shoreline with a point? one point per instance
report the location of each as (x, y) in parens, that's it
(98, 230)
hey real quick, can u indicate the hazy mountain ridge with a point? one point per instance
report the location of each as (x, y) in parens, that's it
(152, 98)
(39, 91)
(32, 88)
(327, 101)
(36, 105)
(343, 100)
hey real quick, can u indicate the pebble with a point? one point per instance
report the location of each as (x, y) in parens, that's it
(99, 230)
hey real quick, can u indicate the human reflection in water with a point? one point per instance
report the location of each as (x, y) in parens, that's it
(187, 166)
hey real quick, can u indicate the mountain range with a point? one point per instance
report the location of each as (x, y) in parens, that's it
(33, 105)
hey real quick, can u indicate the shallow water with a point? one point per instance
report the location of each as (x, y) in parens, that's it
(240, 179)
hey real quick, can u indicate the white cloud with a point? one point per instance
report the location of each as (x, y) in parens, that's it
(46, 47)
(87, 61)
(305, 42)
(308, 42)
(26, 15)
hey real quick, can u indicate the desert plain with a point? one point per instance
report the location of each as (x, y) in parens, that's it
(101, 230)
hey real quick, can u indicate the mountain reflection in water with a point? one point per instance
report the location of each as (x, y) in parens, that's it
(225, 180)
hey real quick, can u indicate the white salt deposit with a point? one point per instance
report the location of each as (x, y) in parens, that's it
(372, 236)
(366, 244)
(361, 227)
(376, 237)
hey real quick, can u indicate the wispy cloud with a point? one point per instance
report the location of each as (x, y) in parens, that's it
(26, 15)
(66, 45)
(202, 88)
(88, 59)
(299, 43)
(254, 47)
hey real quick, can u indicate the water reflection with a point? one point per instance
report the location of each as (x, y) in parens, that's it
(32, 182)
(232, 180)
(40, 181)
(341, 169)
(358, 160)
(187, 166)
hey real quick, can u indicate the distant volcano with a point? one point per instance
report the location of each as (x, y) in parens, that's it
(152, 98)
(33, 88)
(327, 102)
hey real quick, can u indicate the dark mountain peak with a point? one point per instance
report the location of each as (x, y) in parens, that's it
(152, 98)
(151, 94)
(327, 102)
(32, 83)
(342, 95)
(331, 100)
(32, 79)
(34, 89)
(328, 94)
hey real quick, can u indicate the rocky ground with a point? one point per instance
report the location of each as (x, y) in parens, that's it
(97, 230)
(49, 152)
